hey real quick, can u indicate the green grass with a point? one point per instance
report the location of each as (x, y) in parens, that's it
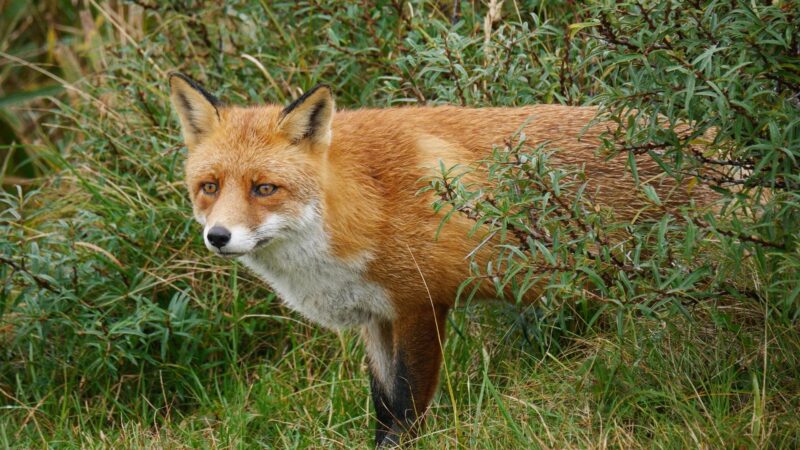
(683, 385)
(117, 329)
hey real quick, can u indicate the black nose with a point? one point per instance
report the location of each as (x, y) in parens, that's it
(218, 236)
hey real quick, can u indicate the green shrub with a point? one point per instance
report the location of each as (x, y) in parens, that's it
(674, 78)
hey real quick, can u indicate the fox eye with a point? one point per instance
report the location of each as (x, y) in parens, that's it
(209, 188)
(264, 190)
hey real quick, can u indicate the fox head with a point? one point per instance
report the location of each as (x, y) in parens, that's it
(252, 173)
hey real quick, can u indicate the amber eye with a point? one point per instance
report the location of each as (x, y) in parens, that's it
(264, 190)
(209, 188)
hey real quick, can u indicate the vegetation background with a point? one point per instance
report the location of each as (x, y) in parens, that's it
(118, 329)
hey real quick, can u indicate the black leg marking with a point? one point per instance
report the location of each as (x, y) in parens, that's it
(377, 336)
(383, 411)
(401, 414)
(403, 409)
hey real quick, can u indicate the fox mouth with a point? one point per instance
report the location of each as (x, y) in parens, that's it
(230, 254)
(262, 243)
(227, 254)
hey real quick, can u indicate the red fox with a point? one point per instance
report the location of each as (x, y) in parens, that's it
(324, 206)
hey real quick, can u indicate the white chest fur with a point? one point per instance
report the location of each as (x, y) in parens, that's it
(311, 281)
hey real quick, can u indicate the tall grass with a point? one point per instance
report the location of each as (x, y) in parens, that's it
(117, 328)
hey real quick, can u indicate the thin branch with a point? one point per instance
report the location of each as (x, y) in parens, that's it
(41, 282)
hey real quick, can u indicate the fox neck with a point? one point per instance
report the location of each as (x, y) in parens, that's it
(302, 269)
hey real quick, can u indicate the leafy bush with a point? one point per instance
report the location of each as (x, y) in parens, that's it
(711, 93)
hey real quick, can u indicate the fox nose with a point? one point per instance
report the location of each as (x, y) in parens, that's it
(218, 236)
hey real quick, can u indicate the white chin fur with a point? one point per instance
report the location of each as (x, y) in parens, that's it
(301, 269)
(244, 240)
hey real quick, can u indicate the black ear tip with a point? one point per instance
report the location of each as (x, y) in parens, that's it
(182, 76)
(321, 87)
(194, 85)
(304, 97)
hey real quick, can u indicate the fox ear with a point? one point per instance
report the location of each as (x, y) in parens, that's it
(196, 108)
(309, 117)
